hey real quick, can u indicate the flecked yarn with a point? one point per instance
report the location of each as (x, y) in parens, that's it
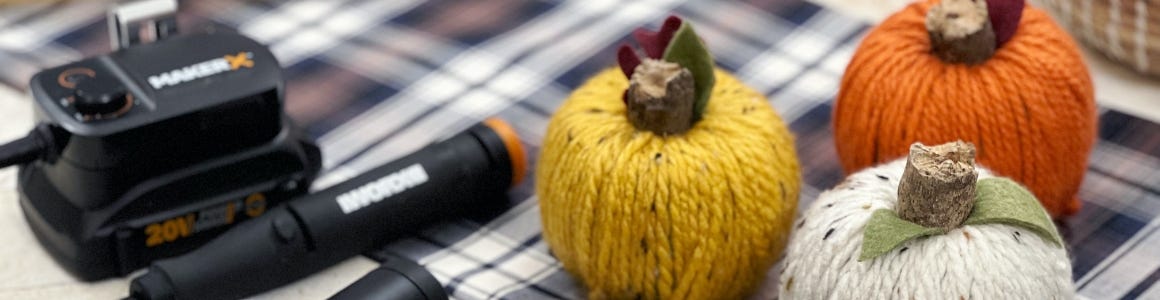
(700, 215)
(992, 261)
(1029, 109)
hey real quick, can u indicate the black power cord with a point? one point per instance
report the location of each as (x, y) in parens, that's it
(40, 143)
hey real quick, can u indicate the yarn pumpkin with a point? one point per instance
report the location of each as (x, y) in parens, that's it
(1027, 103)
(858, 240)
(646, 196)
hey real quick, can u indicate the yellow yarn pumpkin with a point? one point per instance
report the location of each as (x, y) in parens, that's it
(698, 215)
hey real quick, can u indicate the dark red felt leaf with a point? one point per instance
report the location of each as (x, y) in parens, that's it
(654, 43)
(1005, 15)
(627, 59)
(648, 41)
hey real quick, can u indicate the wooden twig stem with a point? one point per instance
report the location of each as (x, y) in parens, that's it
(960, 31)
(661, 97)
(937, 188)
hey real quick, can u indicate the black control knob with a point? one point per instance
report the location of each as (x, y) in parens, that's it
(100, 96)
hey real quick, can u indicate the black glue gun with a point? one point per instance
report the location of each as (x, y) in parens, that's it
(312, 232)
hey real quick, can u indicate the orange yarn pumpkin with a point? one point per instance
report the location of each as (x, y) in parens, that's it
(1029, 109)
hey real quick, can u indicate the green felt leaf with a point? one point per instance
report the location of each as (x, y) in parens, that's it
(687, 50)
(1001, 200)
(886, 231)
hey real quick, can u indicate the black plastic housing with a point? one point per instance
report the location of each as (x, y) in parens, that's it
(198, 143)
(469, 172)
(397, 279)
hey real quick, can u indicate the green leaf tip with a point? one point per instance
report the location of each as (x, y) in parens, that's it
(886, 231)
(687, 49)
(1003, 201)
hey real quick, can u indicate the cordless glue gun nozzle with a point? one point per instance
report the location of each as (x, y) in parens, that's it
(449, 179)
(515, 149)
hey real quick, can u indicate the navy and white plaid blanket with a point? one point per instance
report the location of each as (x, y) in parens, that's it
(375, 80)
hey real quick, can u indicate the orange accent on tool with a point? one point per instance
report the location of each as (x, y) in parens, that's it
(511, 141)
(63, 80)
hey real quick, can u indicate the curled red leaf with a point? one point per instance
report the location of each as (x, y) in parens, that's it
(627, 60)
(1004, 15)
(654, 43)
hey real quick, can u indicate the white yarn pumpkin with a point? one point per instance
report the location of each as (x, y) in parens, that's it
(990, 261)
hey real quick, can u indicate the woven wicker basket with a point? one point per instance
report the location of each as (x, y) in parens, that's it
(1128, 31)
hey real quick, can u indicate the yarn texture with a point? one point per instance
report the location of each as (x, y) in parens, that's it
(699, 215)
(985, 261)
(1029, 108)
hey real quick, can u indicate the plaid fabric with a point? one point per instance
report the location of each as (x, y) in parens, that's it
(375, 80)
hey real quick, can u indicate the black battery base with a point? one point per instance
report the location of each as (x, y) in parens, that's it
(169, 214)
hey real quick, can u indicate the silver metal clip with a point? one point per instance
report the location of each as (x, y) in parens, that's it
(141, 22)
